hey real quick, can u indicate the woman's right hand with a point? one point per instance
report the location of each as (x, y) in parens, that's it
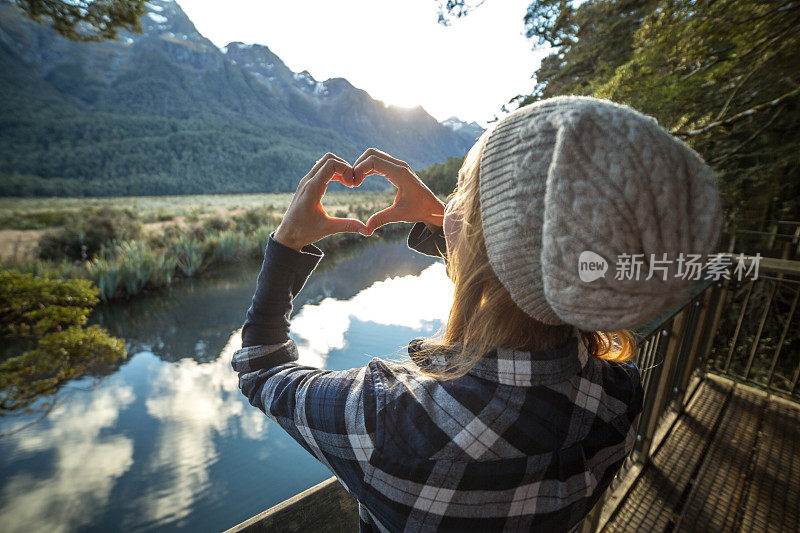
(414, 201)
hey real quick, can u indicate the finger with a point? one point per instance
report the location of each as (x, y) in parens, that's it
(321, 161)
(383, 217)
(331, 169)
(346, 225)
(359, 178)
(374, 164)
(380, 153)
(346, 177)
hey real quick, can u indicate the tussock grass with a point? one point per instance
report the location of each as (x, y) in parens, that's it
(124, 267)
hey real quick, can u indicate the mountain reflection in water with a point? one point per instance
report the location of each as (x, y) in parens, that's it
(168, 441)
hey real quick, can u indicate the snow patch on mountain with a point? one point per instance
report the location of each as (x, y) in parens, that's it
(469, 131)
(453, 123)
(158, 19)
(304, 76)
(320, 89)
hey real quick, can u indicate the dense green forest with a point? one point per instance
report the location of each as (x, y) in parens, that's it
(135, 155)
(442, 177)
(724, 75)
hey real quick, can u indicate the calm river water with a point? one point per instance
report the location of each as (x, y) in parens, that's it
(167, 441)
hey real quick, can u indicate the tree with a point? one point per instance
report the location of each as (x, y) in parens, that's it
(87, 20)
(722, 74)
(442, 178)
(725, 76)
(47, 316)
(450, 9)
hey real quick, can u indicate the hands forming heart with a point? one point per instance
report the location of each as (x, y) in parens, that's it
(306, 221)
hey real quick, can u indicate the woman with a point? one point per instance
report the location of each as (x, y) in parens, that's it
(519, 417)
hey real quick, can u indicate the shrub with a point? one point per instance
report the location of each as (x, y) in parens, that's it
(258, 240)
(188, 255)
(31, 306)
(59, 356)
(213, 224)
(105, 274)
(249, 220)
(137, 266)
(224, 247)
(52, 312)
(84, 240)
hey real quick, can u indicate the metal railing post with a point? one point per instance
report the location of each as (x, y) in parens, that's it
(782, 339)
(682, 353)
(760, 330)
(646, 358)
(694, 349)
(719, 298)
(656, 405)
(735, 338)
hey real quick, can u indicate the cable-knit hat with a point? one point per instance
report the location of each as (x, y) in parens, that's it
(577, 175)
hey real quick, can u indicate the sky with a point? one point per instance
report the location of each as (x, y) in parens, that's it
(393, 49)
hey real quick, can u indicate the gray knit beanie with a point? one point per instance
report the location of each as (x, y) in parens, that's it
(572, 175)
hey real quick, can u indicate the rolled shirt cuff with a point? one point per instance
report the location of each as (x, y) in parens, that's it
(264, 356)
(303, 261)
(421, 239)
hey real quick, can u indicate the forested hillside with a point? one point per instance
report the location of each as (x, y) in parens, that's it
(167, 112)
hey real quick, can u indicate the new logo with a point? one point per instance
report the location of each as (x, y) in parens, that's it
(591, 266)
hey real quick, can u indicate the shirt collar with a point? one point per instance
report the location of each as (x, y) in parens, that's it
(512, 367)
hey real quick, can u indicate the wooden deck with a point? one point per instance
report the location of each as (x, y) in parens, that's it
(730, 462)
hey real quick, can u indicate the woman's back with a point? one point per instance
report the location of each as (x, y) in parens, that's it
(523, 441)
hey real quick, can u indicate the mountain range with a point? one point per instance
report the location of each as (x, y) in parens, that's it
(165, 111)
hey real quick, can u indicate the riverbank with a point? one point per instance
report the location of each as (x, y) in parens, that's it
(127, 246)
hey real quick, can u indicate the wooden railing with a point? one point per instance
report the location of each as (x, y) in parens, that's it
(323, 508)
(736, 328)
(740, 329)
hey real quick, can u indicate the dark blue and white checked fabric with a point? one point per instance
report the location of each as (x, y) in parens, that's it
(525, 441)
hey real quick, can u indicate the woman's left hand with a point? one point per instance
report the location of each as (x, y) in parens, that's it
(305, 220)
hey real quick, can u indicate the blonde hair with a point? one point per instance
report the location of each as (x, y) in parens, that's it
(483, 315)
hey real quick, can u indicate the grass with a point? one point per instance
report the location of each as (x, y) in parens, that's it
(40, 213)
(182, 236)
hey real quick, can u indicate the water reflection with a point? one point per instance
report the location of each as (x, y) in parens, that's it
(82, 463)
(192, 403)
(168, 442)
(415, 302)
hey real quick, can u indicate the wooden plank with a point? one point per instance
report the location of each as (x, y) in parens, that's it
(655, 496)
(773, 499)
(325, 507)
(715, 495)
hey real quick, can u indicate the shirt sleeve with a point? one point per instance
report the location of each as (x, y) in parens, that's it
(332, 414)
(283, 274)
(421, 239)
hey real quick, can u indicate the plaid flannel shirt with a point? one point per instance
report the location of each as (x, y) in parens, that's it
(525, 441)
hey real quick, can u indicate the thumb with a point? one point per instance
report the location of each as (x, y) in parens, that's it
(381, 218)
(346, 225)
